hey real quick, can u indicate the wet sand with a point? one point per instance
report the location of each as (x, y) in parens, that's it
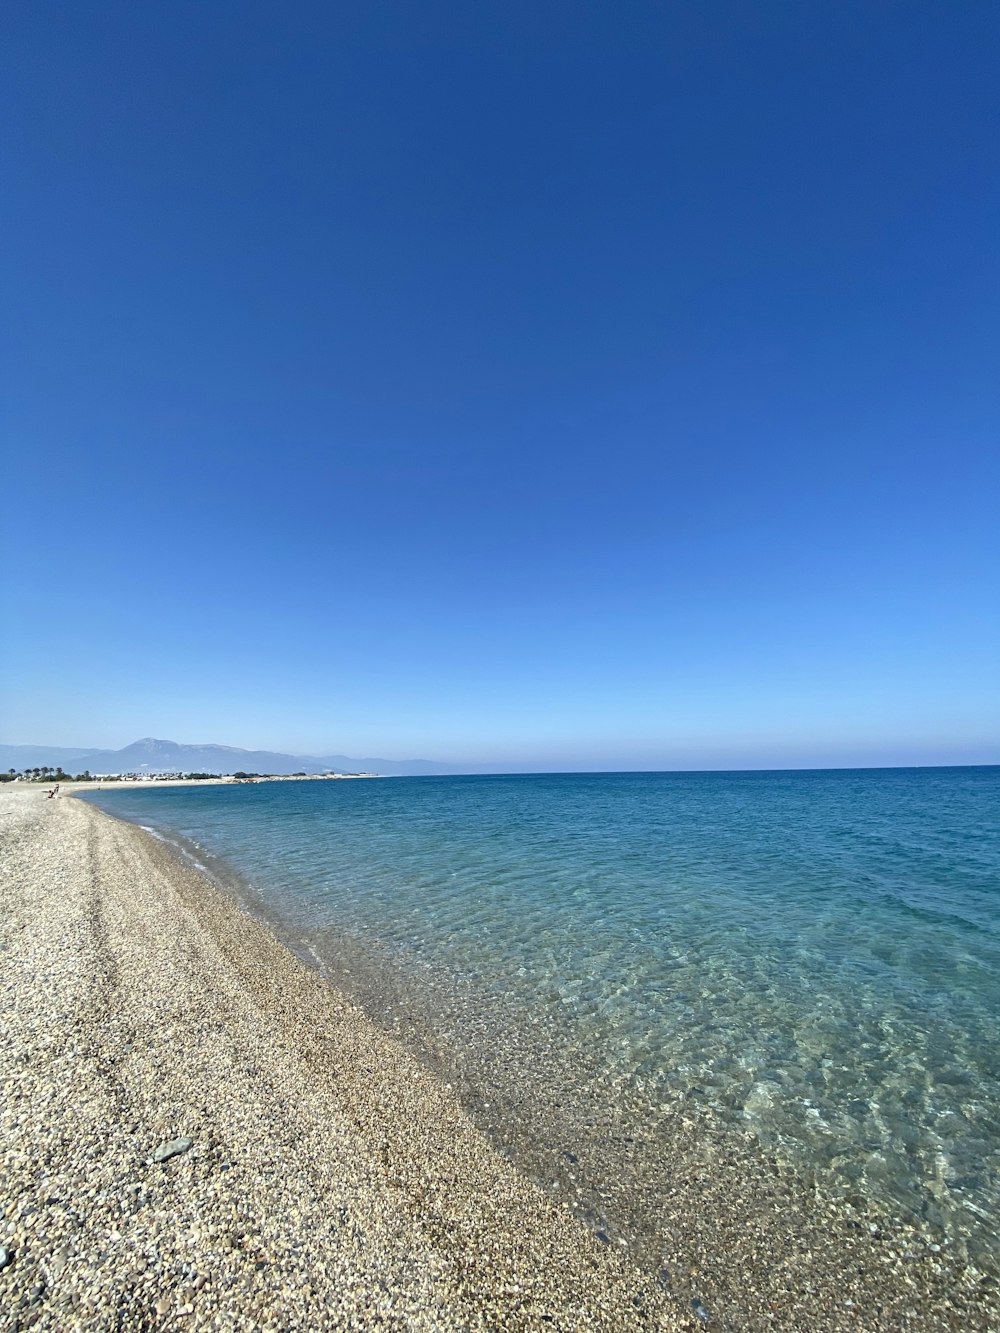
(319, 1176)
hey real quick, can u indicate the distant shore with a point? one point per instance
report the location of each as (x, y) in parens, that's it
(314, 1174)
(69, 786)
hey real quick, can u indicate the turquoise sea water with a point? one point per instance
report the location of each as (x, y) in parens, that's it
(811, 957)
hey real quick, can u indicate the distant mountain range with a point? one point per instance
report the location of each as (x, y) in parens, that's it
(155, 756)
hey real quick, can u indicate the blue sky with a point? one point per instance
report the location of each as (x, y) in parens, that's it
(542, 384)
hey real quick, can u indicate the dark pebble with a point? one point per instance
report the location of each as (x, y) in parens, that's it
(33, 1296)
(603, 1237)
(571, 1157)
(663, 1277)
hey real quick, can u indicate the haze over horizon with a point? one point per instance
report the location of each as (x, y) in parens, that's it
(541, 386)
(159, 755)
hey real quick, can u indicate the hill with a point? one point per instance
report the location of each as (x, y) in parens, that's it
(151, 755)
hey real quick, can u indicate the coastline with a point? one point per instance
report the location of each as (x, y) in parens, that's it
(71, 787)
(332, 1181)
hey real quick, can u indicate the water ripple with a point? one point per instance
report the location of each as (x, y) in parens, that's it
(813, 956)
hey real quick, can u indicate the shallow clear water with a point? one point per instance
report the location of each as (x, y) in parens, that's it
(814, 956)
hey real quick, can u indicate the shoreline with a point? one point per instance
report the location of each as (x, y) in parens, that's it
(196, 1021)
(330, 1182)
(71, 787)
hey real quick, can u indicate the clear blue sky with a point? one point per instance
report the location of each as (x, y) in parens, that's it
(555, 385)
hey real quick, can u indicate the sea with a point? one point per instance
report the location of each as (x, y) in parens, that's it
(805, 962)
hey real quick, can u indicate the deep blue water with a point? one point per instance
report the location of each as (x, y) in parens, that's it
(816, 955)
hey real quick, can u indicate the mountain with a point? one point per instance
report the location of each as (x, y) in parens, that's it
(150, 755)
(34, 756)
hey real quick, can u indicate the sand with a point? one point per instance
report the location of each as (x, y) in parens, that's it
(314, 1175)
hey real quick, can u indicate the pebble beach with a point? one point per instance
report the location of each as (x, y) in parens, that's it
(198, 1131)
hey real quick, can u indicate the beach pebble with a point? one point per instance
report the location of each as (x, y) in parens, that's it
(700, 1311)
(5, 1256)
(173, 1148)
